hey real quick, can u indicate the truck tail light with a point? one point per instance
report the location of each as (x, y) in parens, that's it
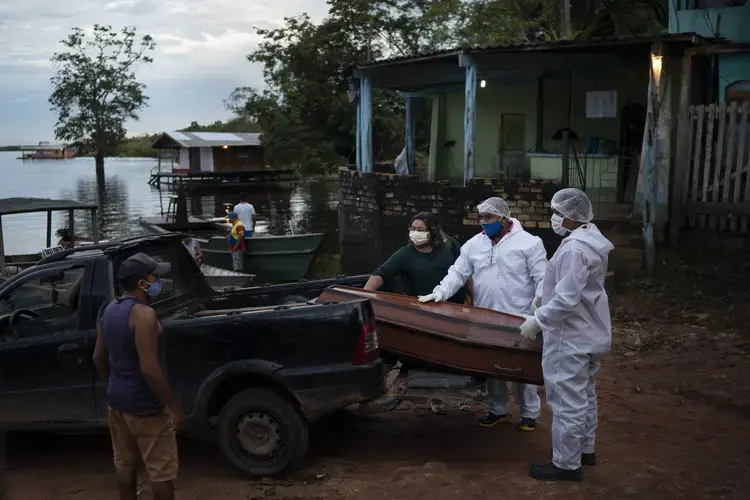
(367, 346)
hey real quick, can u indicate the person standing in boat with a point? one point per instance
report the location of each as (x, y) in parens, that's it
(422, 262)
(194, 248)
(236, 238)
(246, 212)
(507, 266)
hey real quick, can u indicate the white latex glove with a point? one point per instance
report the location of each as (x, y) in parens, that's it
(536, 303)
(433, 297)
(530, 328)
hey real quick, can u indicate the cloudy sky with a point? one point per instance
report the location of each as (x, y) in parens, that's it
(199, 59)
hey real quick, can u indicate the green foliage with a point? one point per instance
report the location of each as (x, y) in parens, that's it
(95, 90)
(236, 124)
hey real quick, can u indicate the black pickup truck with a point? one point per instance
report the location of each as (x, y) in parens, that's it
(250, 374)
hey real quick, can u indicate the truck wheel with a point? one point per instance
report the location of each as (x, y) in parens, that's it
(262, 434)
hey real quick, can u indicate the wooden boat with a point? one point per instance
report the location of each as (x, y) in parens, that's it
(464, 339)
(272, 259)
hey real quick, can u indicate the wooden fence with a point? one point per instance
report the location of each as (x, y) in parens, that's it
(716, 192)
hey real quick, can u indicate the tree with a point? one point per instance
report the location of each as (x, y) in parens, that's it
(95, 90)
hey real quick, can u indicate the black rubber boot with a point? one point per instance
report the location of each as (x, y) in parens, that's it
(588, 459)
(491, 420)
(526, 425)
(551, 472)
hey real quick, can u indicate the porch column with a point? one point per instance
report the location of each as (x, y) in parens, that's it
(436, 136)
(681, 167)
(470, 103)
(365, 126)
(358, 147)
(409, 101)
(651, 152)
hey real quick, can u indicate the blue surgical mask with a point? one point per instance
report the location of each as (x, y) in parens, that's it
(493, 229)
(154, 289)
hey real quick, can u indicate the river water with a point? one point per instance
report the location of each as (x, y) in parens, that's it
(282, 208)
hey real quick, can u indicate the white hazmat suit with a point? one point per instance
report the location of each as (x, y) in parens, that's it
(506, 277)
(575, 322)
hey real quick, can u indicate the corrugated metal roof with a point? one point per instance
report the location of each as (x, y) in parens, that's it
(594, 43)
(209, 139)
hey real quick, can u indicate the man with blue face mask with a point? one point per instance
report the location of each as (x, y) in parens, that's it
(129, 354)
(506, 265)
(575, 323)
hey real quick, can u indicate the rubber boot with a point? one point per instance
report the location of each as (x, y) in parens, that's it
(551, 472)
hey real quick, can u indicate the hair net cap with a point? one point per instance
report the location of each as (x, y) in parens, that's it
(495, 206)
(573, 204)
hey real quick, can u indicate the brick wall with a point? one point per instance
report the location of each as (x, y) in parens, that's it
(375, 211)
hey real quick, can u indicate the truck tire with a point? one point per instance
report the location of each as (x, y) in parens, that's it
(262, 434)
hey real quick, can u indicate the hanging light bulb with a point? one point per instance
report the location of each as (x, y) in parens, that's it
(483, 84)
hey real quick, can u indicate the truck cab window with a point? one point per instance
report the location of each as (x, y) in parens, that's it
(175, 282)
(42, 304)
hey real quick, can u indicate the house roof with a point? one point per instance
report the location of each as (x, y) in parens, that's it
(28, 205)
(593, 43)
(207, 139)
(517, 64)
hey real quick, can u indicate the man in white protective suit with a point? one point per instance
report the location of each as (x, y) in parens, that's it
(506, 265)
(574, 320)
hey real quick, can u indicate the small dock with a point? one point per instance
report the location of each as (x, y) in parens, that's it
(205, 179)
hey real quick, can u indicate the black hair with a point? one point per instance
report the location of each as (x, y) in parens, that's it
(436, 234)
(129, 284)
(243, 197)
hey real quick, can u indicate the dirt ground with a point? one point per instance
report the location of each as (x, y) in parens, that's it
(674, 399)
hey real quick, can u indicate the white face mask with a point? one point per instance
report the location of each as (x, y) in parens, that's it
(419, 238)
(557, 226)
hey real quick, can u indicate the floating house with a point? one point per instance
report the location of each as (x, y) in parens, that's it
(202, 152)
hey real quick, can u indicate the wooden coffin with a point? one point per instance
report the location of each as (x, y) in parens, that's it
(471, 340)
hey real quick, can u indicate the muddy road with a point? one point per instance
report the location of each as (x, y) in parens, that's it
(674, 423)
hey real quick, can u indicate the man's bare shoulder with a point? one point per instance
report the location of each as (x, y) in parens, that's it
(142, 313)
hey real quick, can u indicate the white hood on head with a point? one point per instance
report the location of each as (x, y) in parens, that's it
(590, 235)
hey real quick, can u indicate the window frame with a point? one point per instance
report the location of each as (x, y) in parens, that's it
(81, 313)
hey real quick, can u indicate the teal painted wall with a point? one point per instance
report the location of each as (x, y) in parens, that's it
(733, 24)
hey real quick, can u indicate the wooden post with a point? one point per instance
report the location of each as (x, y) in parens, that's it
(94, 226)
(650, 153)
(71, 226)
(410, 134)
(366, 124)
(436, 136)
(2, 249)
(470, 104)
(358, 147)
(565, 177)
(49, 228)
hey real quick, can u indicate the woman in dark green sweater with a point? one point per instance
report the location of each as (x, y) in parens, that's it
(423, 262)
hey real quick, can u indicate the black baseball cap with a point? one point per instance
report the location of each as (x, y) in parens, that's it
(140, 265)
